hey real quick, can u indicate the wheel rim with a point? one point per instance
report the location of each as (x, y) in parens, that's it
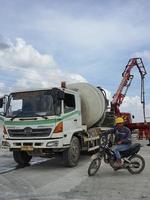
(136, 164)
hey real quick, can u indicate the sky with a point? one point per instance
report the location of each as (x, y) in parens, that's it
(44, 42)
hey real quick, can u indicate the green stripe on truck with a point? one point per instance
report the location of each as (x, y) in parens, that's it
(39, 122)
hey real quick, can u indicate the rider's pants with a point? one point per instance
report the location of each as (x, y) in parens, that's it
(120, 147)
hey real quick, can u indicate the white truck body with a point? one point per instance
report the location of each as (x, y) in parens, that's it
(80, 107)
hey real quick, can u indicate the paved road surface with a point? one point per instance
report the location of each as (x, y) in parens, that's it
(49, 180)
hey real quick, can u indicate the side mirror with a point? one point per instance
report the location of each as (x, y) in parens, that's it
(1, 102)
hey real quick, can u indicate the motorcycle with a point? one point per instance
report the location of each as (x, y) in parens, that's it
(131, 160)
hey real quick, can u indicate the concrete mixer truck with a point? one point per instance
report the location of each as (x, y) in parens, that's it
(56, 121)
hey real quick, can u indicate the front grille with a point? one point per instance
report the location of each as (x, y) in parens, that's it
(29, 132)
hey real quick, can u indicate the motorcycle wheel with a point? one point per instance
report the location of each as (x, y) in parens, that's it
(94, 166)
(137, 164)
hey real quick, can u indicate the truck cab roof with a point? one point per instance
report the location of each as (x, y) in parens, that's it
(45, 89)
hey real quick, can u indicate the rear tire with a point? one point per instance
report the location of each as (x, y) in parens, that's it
(71, 156)
(21, 157)
(94, 166)
(137, 164)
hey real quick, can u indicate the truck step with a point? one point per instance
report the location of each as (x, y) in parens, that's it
(93, 148)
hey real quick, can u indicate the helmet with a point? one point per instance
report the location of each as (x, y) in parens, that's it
(119, 120)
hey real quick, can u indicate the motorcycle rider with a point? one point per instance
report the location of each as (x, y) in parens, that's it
(122, 139)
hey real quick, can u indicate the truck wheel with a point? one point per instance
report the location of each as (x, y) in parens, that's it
(21, 157)
(71, 156)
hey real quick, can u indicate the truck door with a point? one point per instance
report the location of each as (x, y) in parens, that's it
(72, 115)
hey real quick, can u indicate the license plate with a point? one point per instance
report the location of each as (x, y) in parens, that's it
(27, 148)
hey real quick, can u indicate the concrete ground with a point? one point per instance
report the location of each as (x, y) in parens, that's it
(50, 180)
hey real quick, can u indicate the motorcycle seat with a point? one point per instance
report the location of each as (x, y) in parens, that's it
(133, 149)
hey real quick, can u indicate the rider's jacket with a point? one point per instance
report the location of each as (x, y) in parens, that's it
(122, 134)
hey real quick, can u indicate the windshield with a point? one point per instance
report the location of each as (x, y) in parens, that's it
(35, 103)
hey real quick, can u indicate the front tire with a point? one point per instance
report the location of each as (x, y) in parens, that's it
(94, 166)
(71, 156)
(21, 157)
(137, 164)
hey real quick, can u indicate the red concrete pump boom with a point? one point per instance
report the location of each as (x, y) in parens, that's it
(126, 82)
(142, 127)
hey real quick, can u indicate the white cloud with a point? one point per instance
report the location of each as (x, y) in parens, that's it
(109, 28)
(35, 70)
(97, 34)
(133, 105)
(22, 55)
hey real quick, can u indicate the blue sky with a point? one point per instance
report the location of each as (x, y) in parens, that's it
(45, 41)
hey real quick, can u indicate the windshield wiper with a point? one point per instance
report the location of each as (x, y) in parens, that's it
(44, 116)
(21, 112)
(17, 115)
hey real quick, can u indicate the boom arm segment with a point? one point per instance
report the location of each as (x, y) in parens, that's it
(125, 83)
